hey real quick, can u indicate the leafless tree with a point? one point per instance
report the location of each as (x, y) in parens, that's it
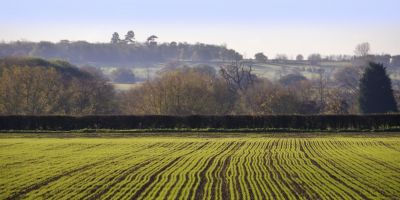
(238, 75)
(347, 79)
(322, 82)
(362, 49)
(281, 57)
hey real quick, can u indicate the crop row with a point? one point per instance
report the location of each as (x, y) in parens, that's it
(196, 168)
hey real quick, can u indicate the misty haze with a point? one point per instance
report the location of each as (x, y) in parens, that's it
(200, 99)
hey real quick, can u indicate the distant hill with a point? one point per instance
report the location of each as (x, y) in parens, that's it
(103, 54)
(65, 68)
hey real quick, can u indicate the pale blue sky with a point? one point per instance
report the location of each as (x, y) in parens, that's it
(270, 26)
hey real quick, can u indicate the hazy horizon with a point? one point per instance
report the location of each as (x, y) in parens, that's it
(273, 27)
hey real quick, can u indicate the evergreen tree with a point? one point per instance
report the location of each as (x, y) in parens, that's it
(115, 38)
(376, 94)
(129, 37)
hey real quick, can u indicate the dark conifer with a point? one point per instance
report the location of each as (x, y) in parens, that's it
(376, 94)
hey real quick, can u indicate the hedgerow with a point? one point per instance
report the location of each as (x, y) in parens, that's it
(125, 122)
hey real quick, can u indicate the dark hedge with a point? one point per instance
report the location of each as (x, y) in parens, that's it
(121, 122)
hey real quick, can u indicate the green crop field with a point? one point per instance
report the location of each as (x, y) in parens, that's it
(201, 167)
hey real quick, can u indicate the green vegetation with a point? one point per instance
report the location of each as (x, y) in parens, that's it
(242, 166)
(376, 93)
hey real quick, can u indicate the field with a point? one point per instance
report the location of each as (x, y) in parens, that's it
(252, 166)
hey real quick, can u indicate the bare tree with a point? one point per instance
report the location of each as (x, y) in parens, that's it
(314, 59)
(336, 102)
(347, 79)
(322, 82)
(29, 90)
(281, 57)
(238, 75)
(362, 49)
(178, 92)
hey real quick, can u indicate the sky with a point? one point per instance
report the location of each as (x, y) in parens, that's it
(271, 26)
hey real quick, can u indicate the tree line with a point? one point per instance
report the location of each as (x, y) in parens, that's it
(126, 50)
(119, 51)
(38, 87)
(361, 53)
(35, 86)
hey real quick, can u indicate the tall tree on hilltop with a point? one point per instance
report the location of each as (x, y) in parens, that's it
(376, 94)
(151, 41)
(115, 38)
(129, 37)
